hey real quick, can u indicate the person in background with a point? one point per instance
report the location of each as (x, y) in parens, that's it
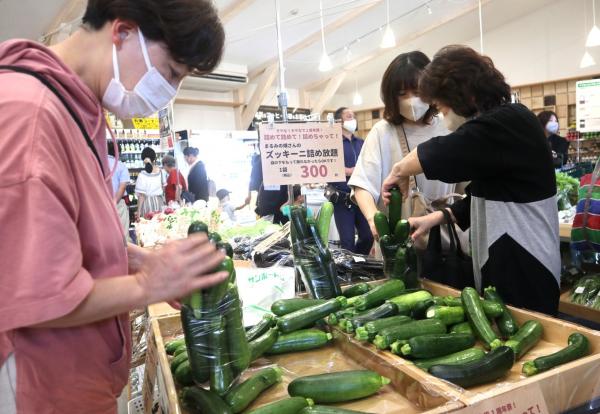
(225, 204)
(349, 220)
(405, 114)
(120, 179)
(298, 201)
(559, 145)
(175, 181)
(150, 185)
(511, 204)
(197, 178)
(255, 179)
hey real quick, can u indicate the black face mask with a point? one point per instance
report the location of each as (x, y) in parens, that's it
(148, 168)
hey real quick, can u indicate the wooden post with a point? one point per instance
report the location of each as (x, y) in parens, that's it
(264, 84)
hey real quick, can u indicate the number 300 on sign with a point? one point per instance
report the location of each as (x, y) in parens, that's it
(314, 171)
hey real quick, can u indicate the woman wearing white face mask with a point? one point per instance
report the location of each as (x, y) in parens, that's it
(407, 118)
(559, 145)
(64, 331)
(511, 205)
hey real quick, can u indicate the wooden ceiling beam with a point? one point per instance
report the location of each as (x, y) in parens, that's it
(330, 90)
(235, 8)
(264, 85)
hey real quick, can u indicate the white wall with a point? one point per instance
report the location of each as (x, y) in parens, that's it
(201, 117)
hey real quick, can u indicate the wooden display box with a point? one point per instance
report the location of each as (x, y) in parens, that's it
(584, 312)
(565, 387)
(404, 395)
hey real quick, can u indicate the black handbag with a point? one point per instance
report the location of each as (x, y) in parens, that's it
(451, 267)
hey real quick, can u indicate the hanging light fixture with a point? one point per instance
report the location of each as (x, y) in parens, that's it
(429, 11)
(593, 38)
(325, 63)
(388, 40)
(357, 100)
(587, 60)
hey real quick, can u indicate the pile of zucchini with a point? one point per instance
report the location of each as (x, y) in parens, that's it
(399, 258)
(312, 258)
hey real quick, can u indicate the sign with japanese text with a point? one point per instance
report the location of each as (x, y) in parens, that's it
(587, 94)
(145, 123)
(165, 123)
(301, 153)
(523, 400)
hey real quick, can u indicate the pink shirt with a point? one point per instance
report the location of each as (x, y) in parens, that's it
(59, 232)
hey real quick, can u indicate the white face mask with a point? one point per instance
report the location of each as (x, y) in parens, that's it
(150, 94)
(453, 121)
(350, 125)
(552, 127)
(413, 108)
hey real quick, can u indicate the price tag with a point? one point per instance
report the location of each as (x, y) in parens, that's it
(580, 290)
(359, 259)
(524, 400)
(145, 123)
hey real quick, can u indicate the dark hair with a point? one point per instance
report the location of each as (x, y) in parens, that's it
(297, 191)
(111, 148)
(339, 112)
(464, 80)
(544, 117)
(187, 151)
(169, 161)
(149, 153)
(191, 29)
(402, 75)
(222, 193)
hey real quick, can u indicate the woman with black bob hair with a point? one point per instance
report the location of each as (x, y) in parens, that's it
(150, 185)
(406, 120)
(500, 147)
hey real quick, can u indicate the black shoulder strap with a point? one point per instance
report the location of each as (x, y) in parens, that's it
(49, 85)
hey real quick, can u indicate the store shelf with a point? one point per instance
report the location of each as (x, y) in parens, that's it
(584, 312)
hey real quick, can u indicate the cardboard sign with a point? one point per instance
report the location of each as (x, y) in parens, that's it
(145, 123)
(308, 153)
(524, 400)
(588, 105)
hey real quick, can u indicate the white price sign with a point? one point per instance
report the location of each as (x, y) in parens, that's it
(307, 153)
(588, 105)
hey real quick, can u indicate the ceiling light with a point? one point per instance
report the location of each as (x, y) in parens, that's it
(593, 38)
(429, 11)
(388, 40)
(587, 60)
(325, 63)
(357, 100)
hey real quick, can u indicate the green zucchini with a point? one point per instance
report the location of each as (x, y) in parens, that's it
(506, 323)
(395, 207)
(355, 290)
(525, 338)
(381, 224)
(284, 306)
(410, 300)
(368, 331)
(243, 394)
(457, 358)
(439, 301)
(226, 248)
(266, 323)
(464, 327)
(326, 409)
(494, 365)
(450, 315)
(216, 294)
(382, 311)
(400, 264)
(308, 316)
(239, 351)
(419, 311)
(578, 347)
(287, 406)
(324, 221)
(491, 309)
(396, 347)
(176, 361)
(203, 401)
(172, 346)
(214, 237)
(263, 343)
(402, 231)
(433, 346)
(180, 350)
(379, 294)
(183, 374)
(387, 336)
(302, 340)
(476, 315)
(197, 227)
(221, 373)
(198, 351)
(337, 386)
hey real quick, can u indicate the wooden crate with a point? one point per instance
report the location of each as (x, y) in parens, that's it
(584, 312)
(568, 386)
(405, 394)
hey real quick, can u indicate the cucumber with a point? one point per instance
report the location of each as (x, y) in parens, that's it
(297, 341)
(433, 346)
(450, 315)
(337, 386)
(382, 311)
(239, 352)
(401, 231)
(243, 394)
(172, 346)
(395, 207)
(464, 327)
(457, 358)
(368, 331)
(308, 316)
(381, 224)
(379, 294)
(263, 343)
(419, 311)
(325, 409)
(387, 336)
(175, 362)
(288, 406)
(495, 364)
(284, 306)
(180, 350)
(324, 221)
(491, 309)
(410, 300)
(183, 374)
(525, 338)
(578, 347)
(266, 323)
(476, 315)
(203, 401)
(355, 290)
(221, 374)
(506, 323)
(396, 347)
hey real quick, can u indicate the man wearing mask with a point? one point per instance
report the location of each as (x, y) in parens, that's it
(349, 219)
